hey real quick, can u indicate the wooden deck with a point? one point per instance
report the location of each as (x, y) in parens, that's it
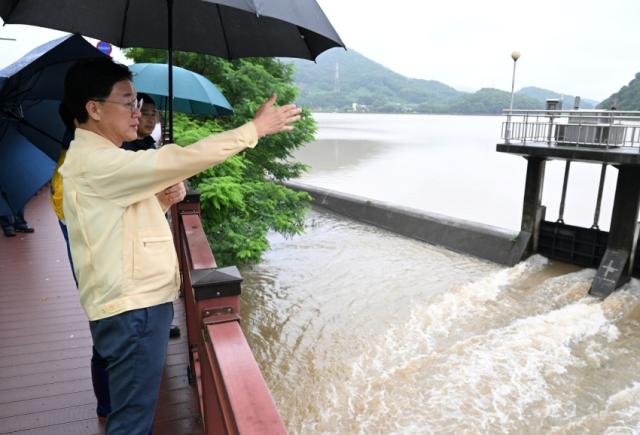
(45, 344)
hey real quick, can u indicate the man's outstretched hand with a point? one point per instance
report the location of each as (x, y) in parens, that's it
(271, 120)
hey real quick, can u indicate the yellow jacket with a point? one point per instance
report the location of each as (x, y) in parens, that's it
(56, 189)
(122, 246)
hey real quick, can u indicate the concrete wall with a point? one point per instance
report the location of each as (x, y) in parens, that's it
(483, 241)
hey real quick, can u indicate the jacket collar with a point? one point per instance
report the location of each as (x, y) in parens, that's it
(88, 138)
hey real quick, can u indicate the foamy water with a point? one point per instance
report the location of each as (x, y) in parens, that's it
(359, 331)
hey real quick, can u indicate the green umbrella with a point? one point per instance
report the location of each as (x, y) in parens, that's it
(192, 93)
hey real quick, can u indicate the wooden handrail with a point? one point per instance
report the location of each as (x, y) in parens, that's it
(241, 384)
(234, 398)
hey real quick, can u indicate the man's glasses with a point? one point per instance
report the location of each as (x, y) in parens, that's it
(134, 105)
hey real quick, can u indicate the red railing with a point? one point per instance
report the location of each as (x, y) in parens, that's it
(234, 398)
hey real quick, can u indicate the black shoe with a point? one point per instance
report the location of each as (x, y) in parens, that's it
(174, 331)
(24, 228)
(9, 231)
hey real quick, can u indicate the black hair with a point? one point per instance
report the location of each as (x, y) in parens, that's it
(146, 99)
(90, 79)
(67, 116)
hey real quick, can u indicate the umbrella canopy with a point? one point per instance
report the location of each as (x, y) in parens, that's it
(24, 169)
(31, 90)
(192, 93)
(31, 132)
(226, 28)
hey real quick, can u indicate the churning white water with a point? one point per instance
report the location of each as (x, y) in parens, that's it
(359, 331)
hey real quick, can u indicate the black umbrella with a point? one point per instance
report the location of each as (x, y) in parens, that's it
(31, 132)
(227, 28)
(32, 87)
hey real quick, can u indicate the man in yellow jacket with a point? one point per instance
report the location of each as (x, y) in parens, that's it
(166, 198)
(122, 246)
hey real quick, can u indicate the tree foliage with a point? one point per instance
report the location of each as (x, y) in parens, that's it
(627, 98)
(341, 78)
(241, 199)
(491, 101)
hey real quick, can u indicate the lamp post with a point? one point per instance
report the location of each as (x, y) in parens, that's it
(515, 56)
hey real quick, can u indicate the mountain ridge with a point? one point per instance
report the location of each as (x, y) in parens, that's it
(347, 81)
(626, 98)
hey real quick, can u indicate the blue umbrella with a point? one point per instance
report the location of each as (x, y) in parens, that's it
(24, 170)
(31, 132)
(192, 92)
(32, 87)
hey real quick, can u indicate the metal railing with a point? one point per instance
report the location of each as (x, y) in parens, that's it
(234, 398)
(589, 128)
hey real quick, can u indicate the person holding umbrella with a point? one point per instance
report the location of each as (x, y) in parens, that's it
(148, 121)
(144, 141)
(122, 246)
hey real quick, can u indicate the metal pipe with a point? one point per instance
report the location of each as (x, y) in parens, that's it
(579, 132)
(632, 255)
(515, 56)
(170, 64)
(567, 168)
(596, 216)
(609, 131)
(550, 134)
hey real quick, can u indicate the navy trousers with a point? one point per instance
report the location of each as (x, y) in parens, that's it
(134, 344)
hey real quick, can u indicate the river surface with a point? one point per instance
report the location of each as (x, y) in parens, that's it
(360, 331)
(445, 164)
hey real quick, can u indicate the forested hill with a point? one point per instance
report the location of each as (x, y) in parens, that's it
(567, 100)
(363, 81)
(344, 81)
(627, 98)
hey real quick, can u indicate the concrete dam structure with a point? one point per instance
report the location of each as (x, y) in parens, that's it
(606, 138)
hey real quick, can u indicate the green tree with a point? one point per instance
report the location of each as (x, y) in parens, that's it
(241, 199)
(627, 98)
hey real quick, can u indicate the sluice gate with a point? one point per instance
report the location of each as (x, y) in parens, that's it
(577, 245)
(605, 137)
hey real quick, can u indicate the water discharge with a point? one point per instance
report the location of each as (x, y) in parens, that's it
(359, 331)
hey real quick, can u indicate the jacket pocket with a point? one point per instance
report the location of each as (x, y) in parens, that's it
(154, 257)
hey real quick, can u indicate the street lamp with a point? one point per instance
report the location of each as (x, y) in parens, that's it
(515, 56)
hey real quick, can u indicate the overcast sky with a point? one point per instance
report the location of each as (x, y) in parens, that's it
(578, 47)
(588, 47)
